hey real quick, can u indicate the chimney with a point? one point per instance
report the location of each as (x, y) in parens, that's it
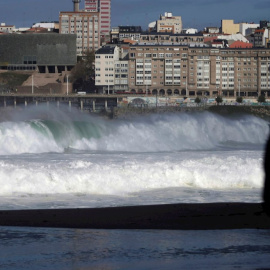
(76, 5)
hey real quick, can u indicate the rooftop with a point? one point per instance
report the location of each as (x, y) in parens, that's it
(106, 50)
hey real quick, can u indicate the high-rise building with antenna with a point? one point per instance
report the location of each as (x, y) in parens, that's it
(76, 5)
(104, 8)
(86, 26)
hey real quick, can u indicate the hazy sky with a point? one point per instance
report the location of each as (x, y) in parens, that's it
(195, 13)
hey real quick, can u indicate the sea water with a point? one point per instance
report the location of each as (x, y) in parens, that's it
(51, 158)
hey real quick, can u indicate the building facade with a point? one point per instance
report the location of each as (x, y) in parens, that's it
(86, 27)
(105, 59)
(247, 28)
(7, 28)
(153, 37)
(169, 23)
(204, 71)
(47, 53)
(229, 27)
(121, 33)
(91, 5)
(104, 8)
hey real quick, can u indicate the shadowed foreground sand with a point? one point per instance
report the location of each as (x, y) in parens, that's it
(208, 216)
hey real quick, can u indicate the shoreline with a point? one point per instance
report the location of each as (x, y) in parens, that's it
(201, 216)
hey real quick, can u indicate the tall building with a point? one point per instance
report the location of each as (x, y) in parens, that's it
(104, 7)
(86, 25)
(105, 59)
(91, 5)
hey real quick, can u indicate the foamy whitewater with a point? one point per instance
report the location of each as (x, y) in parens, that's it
(51, 158)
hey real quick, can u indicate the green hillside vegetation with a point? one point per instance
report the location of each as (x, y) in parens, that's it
(9, 80)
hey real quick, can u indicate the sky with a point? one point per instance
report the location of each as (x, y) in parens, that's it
(195, 13)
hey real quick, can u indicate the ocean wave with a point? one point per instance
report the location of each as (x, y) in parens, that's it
(125, 174)
(154, 133)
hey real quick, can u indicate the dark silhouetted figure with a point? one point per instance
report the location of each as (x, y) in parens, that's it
(266, 191)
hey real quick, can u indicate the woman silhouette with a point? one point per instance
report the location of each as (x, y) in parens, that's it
(266, 191)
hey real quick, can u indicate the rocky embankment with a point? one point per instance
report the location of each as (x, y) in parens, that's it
(259, 111)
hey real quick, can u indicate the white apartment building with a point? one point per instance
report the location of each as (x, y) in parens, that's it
(248, 28)
(48, 25)
(86, 25)
(106, 59)
(7, 28)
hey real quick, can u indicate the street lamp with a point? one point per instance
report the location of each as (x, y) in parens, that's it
(32, 84)
(67, 84)
(187, 93)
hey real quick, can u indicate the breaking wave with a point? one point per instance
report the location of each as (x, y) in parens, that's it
(154, 133)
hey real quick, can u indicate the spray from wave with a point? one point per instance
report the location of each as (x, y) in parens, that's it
(46, 131)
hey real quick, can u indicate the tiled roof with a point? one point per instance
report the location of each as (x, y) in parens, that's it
(240, 44)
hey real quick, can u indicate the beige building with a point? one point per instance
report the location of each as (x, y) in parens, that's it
(169, 23)
(86, 25)
(204, 71)
(229, 27)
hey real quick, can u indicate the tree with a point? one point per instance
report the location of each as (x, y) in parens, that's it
(261, 99)
(197, 100)
(85, 67)
(219, 99)
(89, 63)
(239, 99)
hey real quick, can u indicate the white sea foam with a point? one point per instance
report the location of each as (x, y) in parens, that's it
(120, 174)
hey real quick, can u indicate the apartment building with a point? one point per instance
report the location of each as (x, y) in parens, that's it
(91, 5)
(260, 37)
(169, 23)
(247, 29)
(121, 76)
(7, 28)
(204, 71)
(104, 8)
(121, 33)
(229, 27)
(153, 37)
(86, 26)
(105, 61)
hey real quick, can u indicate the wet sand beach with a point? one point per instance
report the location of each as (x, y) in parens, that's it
(207, 216)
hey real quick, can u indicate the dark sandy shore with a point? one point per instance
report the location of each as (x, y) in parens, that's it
(209, 216)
